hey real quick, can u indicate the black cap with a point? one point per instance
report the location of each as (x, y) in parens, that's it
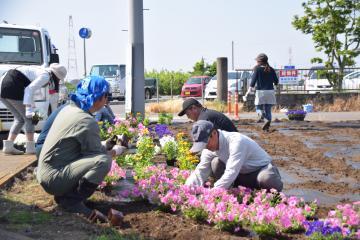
(188, 103)
(200, 133)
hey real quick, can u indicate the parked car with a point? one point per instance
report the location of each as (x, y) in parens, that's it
(241, 76)
(194, 86)
(351, 81)
(317, 82)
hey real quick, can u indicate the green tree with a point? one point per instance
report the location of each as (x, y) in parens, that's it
(203, 68)
(335, 29)
(169, 80)
(211, 70)
(199, 68)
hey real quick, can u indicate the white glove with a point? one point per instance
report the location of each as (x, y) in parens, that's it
(118, 149)
(246, 94)
(29, 112)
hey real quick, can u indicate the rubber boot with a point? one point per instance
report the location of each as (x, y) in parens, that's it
(30, 147)
(8, 148)
(73, 201)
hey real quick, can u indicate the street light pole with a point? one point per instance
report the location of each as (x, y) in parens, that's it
(232, 54)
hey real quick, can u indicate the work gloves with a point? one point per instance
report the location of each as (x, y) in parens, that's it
(118, 143)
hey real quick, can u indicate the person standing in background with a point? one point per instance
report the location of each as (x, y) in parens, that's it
(263, 80)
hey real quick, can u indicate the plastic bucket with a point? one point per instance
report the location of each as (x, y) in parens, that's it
(308, 108)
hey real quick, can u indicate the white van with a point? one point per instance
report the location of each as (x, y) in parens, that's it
(25, 45)
(233, 76)
(315, 83)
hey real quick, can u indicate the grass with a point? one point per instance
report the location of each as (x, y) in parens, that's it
(27, 217)
(175, 106)
(113, 234)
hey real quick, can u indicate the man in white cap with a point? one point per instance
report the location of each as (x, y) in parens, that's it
(17, 87)
(232, 158)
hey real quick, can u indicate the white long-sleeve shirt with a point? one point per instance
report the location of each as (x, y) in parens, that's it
(238, 152)
(38, 77)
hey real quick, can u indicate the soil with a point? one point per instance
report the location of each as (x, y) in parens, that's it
(316, 160)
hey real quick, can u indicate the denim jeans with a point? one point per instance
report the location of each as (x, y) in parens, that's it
(264, 110)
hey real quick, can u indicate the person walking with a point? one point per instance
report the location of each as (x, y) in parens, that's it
(17, 88)
(195, 111)
(232, 158)
(263, 80)
(73, 161)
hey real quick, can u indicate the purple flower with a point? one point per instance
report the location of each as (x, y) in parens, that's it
(297, 112)
(161, 130)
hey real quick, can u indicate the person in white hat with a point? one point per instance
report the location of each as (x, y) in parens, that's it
(17, 87)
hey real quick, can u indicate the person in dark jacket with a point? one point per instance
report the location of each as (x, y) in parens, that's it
(105, 114)
(195, 111)
(263, 80)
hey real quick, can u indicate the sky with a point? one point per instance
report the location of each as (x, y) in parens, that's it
(177, 33)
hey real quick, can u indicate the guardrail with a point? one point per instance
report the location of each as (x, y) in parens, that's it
(313, 80)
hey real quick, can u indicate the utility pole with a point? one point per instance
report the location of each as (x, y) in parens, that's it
(135, 96)
(72, 60)
(232, 55)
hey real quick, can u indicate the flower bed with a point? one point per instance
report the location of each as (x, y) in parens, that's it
(265, 213)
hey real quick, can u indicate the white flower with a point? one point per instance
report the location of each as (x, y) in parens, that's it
(165, 139)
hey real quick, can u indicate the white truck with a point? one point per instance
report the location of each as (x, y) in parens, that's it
(25, 45)
(115, 74)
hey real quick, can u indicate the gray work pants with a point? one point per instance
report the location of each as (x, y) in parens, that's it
(266, 177)
(59, 181)
(17, 108)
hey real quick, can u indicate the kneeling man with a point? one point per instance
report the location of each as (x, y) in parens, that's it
(232, 158)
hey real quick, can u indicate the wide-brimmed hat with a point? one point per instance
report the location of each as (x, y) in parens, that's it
(200, 133)
(261, 57)
(188, 103)
(59, 70)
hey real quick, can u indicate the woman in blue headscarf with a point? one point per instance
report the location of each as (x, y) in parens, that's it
(73, 161)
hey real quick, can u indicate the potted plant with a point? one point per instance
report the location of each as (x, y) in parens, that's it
(169, 147)
(298, 115)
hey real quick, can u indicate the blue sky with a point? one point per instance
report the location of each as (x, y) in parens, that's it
(177, 33)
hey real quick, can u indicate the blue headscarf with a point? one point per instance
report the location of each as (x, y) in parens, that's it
(89, 90)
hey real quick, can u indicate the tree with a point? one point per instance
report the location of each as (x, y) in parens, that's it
(335, 29)
(203, 68)
(199, 68)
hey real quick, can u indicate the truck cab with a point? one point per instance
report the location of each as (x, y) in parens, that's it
(115, 74)
(25, 45)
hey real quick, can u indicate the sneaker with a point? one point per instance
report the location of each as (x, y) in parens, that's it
(266, 125)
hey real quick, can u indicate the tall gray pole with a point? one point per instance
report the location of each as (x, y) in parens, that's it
(222, 79)
(135, 96)
(232, 55)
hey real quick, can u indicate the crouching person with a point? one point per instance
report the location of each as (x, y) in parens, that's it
(232, 158)
(73, 161)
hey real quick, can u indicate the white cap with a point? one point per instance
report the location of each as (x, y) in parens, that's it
(59, 70)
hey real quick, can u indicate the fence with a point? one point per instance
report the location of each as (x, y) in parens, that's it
(315, 80)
